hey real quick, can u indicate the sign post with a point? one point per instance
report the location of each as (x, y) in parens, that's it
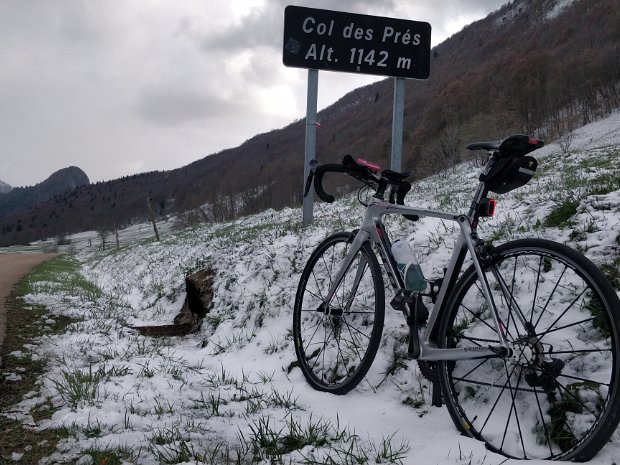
(337, 41)
(398, 117)
(313, 90)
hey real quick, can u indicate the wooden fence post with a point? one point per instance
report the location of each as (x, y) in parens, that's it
(152, 215)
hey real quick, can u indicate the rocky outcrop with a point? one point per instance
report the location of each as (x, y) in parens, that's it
(199, 295)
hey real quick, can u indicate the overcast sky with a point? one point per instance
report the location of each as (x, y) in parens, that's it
(119, 87)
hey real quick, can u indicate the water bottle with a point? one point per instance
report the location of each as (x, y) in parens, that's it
(405, 257)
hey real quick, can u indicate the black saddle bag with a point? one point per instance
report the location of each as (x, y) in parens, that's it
(510, 172)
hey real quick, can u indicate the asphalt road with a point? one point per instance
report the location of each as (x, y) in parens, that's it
(13, 267)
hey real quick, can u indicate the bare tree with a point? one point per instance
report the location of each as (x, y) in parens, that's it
(103, 235)
(563, 127)
(447, 147)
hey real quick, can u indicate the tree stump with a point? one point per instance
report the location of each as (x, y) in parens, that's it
(199, 295)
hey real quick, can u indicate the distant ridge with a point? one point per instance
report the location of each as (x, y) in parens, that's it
(540, 67)
(19, 199)
(4, 187)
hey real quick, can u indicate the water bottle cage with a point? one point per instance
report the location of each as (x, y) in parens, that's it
(434, 287)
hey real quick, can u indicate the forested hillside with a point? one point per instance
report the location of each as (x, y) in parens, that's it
(22, 198)
(534, 66)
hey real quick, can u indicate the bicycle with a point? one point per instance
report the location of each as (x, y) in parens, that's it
(523, 342)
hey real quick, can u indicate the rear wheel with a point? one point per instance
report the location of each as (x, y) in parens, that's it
(336, 341)
(556, 395)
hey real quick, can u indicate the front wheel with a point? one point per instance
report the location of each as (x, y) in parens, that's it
(336, 340)
(556, 395)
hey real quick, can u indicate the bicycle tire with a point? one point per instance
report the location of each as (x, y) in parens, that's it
(336, 344)
(529, 404)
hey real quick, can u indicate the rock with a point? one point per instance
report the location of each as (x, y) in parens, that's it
(199, 289)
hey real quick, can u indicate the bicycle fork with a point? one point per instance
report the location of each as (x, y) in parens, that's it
(466, 244)
(358, 241)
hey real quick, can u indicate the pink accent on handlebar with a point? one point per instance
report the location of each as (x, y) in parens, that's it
(368, 164)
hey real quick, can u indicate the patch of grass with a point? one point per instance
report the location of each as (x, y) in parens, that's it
(104, 457)
(171, 446)
(42, 411)
(414, 402)
(398, 357)
(605, 183)
(24, 326)
(612, 273)
(558, 430)
(34, 444)
(560, 216)
(61, 274)
(78, 387)
(272, 444)
(594, 306)
(111, 456)
(322, 442)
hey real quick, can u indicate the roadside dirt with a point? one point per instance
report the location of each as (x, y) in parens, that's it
(12, 268)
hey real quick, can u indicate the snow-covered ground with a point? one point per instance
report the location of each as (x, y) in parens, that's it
(176, 400)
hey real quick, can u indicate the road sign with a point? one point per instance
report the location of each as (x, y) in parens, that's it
(354, 43)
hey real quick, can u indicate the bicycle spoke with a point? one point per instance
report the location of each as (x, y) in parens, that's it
(540, 262)
(337, 357)
(495, 403)
(356, 330)
(542, 335)
(559, 380)
(576, 351)
(542, 419)
(513, 302)
(559, 328)
(480, 319)
(551, 295)
(318, 325)
(322, 353)
(513, 408)
(474, 368)
(585, 380)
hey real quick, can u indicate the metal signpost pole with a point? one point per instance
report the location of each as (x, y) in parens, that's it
(313, 86)
(397, 124)
(316, 39)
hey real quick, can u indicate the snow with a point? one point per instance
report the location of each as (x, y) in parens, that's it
(558, 8)
(151, 395)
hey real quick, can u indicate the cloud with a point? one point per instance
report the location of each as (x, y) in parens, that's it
(113, 85)
(262, 26)
(172, 105)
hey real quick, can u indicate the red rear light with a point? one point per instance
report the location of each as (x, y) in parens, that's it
(486, 207)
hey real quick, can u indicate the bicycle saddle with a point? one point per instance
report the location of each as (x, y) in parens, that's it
(519, 143)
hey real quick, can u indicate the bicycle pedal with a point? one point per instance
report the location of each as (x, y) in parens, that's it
(402, 298)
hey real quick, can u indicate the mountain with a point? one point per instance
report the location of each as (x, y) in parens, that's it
(20, 199)
(533, 66)
(4, 187)
(246, 342)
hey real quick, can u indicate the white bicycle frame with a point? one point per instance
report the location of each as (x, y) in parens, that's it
(371, 230)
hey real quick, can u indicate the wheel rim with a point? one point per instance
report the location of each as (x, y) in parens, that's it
(335, 338)
(548, 397)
